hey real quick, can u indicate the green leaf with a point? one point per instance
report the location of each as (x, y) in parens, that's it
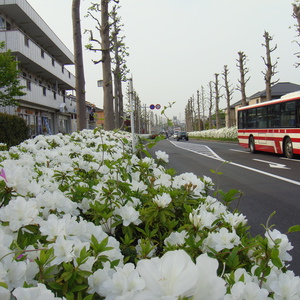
(275, 258)
(294, 228)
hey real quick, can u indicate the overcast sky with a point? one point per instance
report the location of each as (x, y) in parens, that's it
(177, 46)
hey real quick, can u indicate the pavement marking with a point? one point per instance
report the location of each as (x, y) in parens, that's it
(272, 164)
(206, 151)
(199, 149)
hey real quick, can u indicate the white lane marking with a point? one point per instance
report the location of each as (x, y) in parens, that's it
(242, 151)
(272, 164)
(240, 166)
(198, 149)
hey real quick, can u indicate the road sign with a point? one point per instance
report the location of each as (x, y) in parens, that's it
(157, 106)
(152, 106)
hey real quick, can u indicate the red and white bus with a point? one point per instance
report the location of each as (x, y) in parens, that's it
(272, 126)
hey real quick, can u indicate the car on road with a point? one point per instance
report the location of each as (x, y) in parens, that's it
(182, 135)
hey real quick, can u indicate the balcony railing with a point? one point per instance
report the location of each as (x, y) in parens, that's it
(20, 43)
(40, 95)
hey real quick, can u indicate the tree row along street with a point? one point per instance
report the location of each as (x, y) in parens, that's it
(268, 183)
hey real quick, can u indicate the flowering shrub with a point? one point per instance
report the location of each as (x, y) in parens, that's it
(223, 133)
(82, 217)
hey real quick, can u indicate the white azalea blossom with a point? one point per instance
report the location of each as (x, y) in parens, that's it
(172, 275)
(176, 238)
(128, 215)
(284, 246)
(221, 240)
(162, 155)
(162, 200)
(19, 212)
(247, 291)
(37, 293)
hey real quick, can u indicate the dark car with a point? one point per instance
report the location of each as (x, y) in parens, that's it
(182, 135)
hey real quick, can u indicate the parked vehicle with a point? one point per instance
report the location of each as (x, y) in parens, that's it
(182, 135)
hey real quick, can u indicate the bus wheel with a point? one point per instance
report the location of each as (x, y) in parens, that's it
(288, 148)
(252, 144)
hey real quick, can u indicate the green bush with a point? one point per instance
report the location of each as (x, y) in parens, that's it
(13, 130)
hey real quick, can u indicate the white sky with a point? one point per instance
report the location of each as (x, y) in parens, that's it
(177, 46)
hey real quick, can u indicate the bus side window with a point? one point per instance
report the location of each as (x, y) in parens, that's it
(298, 115)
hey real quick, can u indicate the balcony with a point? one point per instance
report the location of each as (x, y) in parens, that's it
(40, 96)
(36, 60)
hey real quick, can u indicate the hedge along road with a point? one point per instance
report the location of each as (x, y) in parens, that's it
(268, 182)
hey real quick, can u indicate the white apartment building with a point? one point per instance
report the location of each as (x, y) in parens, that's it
(47, 106)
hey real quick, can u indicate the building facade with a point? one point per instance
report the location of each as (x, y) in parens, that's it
(49, 105)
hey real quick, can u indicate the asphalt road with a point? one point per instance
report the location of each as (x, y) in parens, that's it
(269, 182)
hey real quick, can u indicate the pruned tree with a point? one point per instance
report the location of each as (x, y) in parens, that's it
(270, 68)
(296, 15)
(120, 69)
(210, 104)
(203, 102)
(217, 100)
(79, 69)
(104, 44)
(241, 64)
(10, 87)
(189, 115)
(228, 94)
(198, 111)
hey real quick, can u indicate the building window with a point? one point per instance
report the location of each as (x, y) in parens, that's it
(26, 40)
(8, 26)
(53, 62)
(44, 90)
(28, 84)
(54, 95)
(42, 53)
(2, 23)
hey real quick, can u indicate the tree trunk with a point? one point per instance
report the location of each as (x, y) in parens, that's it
(268, 63)
(79, 70)
(108, 106)
(217, 101)
(241, 65)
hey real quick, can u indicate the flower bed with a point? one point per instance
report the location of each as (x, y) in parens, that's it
(84, 218)
(222, 133)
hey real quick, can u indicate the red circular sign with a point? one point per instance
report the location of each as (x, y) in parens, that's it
(157, 106)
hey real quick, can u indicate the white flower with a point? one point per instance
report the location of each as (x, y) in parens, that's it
(63, 251)
(172, 275)
(209, 285)
(247, 291)
(176, 238)
(287, 286)
(4, 293)
(37, 293)
(19, 212)
(123, 284)
(235, 219)
(162, 200)
(221, 240)
(15, 272)
(202, 218)
(15, 176)
(284, 245)
(53, 227)
(162, 155)
(128, 215)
